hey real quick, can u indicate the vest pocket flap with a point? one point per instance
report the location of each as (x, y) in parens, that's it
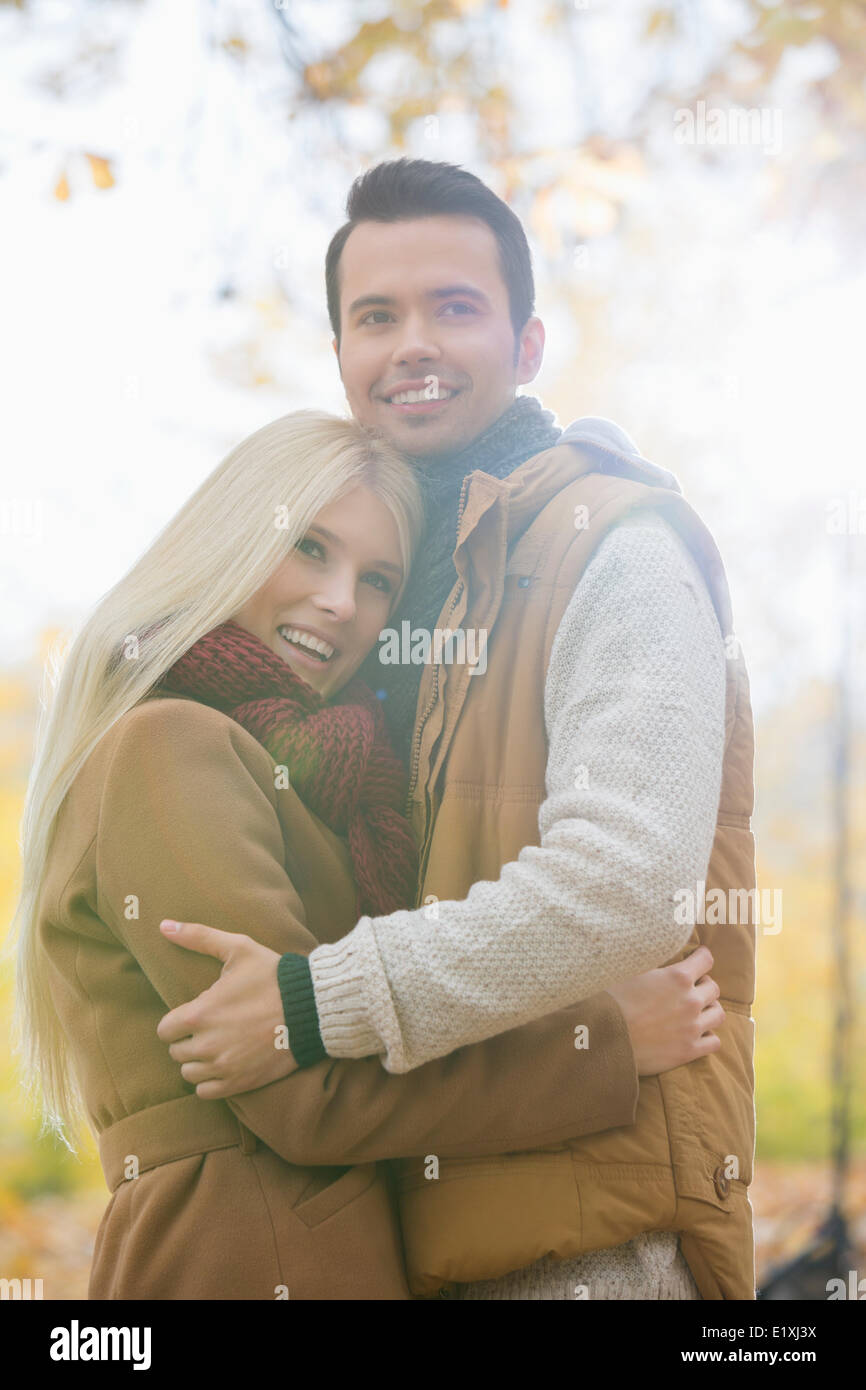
(707, 1177)
(710, 1115)
(482, 1218)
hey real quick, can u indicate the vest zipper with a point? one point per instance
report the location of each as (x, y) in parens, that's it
(416, 742)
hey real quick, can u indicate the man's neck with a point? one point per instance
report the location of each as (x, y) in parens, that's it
(523, 428)
(460, 446)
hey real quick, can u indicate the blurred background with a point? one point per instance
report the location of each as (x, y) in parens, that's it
(691, 177)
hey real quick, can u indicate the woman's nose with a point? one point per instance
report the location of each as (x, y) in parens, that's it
(338, 599)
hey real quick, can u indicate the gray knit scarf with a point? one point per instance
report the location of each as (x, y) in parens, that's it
(523, 430)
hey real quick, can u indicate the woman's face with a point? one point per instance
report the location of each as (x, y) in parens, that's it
(338, 586)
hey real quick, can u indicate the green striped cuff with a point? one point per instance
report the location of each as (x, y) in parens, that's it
(299, 1010)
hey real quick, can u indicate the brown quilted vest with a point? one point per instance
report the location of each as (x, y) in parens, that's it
(477, 783)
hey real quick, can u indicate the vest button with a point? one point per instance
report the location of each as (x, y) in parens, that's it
(523, 581)
(721, 1181)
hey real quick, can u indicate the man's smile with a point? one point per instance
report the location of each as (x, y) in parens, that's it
(420, 396)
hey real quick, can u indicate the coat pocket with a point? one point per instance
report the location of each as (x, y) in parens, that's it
(329, 1197)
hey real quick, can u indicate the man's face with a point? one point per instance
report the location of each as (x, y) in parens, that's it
(421, 299)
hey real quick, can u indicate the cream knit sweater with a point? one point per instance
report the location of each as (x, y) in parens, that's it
(634, 711)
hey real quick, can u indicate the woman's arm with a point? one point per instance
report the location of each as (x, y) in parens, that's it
(635, 695)
(188, 826)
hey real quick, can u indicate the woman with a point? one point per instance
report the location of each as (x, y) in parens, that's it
(198, 759)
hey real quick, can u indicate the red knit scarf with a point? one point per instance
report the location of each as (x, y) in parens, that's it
(340, 760)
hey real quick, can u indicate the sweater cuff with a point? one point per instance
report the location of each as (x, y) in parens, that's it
(299, 1009)
(341, 972)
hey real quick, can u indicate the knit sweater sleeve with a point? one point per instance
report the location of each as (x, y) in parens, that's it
(634, 711)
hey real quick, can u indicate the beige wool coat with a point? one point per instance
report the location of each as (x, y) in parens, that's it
(282, 1192)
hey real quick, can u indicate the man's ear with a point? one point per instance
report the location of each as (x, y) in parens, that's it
(531, 352)
(335, 346)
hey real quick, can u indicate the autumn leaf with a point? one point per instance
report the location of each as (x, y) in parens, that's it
(100, 171)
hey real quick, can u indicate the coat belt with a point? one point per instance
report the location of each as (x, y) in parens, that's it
(163, 1133)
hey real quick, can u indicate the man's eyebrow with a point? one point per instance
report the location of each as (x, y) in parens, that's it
(386, 301)
(469, 291)
(329, 535)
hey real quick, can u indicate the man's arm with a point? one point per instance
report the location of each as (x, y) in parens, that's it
(635, 692)
(188, 825)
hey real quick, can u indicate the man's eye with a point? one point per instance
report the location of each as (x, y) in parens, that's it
(469, 309)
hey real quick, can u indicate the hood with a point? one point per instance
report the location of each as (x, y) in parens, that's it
(604, 437)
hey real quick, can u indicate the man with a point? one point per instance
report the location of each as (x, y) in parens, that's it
(607, 719)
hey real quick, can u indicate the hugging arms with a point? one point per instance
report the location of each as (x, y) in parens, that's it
(635, 695)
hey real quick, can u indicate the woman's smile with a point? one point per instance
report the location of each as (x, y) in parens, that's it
(304, 645)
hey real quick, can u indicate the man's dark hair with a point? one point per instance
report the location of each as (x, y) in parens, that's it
(404, 189)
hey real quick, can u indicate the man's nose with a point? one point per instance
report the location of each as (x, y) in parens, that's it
(416, 340)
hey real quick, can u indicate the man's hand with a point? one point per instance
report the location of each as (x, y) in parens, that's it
(231, 1038)
(670, 1013)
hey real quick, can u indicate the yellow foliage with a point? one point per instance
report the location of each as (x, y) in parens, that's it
(100, 171)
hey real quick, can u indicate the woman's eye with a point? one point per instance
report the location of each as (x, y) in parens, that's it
(308, 540)
(385, 584)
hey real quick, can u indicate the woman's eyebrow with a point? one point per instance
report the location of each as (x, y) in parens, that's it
(329, 536)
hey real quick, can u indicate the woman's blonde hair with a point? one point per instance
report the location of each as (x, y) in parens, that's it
(202, 568)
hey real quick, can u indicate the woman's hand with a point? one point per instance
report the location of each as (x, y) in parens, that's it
(670, 1013)
(232, 1037)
